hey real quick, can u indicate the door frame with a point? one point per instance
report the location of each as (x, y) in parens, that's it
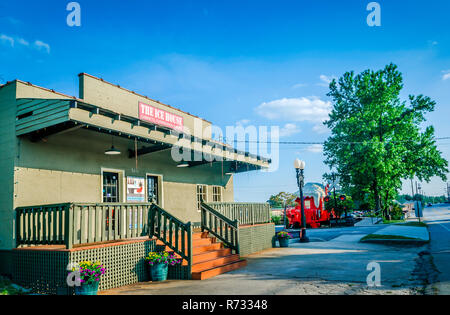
(121, 179)
(160, 186)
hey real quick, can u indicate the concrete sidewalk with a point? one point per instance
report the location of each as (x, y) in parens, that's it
(368, 221)
(338, 267)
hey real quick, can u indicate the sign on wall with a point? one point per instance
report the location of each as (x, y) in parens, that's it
(135, 189)
(160, 117)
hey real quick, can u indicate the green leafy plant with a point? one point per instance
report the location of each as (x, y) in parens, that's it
(162, 258)
(283, 235)
(277, 219)
(90, 271)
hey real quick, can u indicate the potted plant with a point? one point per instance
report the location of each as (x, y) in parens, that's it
(159, 263)
(90, 273)
(283, 238)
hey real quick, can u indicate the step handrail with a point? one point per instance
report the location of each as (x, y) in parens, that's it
(225, 229)
(173, 232)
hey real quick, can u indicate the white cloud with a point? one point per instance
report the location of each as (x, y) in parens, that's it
(41, 45)
(299, 85)
(11, 20)
(326, 80)
(7, 40)
(446, 75)
(311, 109)
(242, 122)
(11, 41)
(23, 42)
(315, 148)
(320, 128)
(289, 130)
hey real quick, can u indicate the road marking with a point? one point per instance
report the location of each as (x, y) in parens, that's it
(444, 227)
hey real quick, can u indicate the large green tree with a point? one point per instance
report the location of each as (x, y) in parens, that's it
(377, 139)
(281, 199)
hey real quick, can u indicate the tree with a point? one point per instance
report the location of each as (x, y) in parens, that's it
(376, 139)
(342, 205)
(281, 199)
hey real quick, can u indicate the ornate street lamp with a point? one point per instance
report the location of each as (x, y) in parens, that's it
(299, 167)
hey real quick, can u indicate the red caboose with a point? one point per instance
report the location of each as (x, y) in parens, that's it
(315, 215)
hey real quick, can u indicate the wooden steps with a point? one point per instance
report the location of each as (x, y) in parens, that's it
(211, 255)
(205, 274)
(211, 258)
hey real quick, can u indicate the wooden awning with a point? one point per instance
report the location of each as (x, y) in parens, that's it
(40, 118)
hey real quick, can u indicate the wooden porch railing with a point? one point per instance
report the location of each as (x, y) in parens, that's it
(225, 229)
(72, 224)
(245, 213)
(174, 233)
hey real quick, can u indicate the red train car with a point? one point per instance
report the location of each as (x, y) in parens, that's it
(315, 215)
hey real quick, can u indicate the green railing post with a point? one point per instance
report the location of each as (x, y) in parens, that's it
(18, 229)
(68, 237)
(236, 224)
(151, 227)
(189, 253)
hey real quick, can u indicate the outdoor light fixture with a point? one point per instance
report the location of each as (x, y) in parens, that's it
(299, 166)
(112, 150)
(183, 164)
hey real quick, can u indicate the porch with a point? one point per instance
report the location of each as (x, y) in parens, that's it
(50, 237)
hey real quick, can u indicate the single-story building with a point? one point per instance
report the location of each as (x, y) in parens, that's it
(105, 167)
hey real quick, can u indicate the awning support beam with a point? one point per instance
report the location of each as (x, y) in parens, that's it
(148, 150)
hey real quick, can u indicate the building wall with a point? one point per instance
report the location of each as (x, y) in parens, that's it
(112, 97)
(7, 155)
(67, 167)
(40, 187)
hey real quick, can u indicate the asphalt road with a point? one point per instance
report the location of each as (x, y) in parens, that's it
(438, 219)
(327, 234)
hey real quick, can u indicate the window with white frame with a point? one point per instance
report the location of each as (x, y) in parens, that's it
(201, 194)
(217, 194)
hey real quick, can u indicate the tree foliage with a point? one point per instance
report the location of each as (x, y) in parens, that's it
(281, 199)
(378, 139)
(342, 205)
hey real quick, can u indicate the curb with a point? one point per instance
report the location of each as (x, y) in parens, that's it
(396, 242)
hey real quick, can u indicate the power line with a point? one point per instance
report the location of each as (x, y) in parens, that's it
(322, 143)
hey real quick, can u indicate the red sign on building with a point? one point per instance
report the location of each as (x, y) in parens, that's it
(160, 117)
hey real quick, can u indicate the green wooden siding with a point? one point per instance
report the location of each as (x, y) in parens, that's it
(37, 114)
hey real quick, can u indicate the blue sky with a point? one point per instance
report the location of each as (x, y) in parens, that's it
(231, 61)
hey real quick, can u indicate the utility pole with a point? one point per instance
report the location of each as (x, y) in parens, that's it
(448, 192)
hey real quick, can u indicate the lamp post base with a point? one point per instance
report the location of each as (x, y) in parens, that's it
(303, 237)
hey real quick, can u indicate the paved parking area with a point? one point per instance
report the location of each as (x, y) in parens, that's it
(337, 266)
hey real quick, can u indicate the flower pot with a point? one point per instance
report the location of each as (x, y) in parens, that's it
(284, 242)
(158, 272)
(87, 288)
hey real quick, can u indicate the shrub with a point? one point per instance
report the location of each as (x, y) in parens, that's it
(277, 219)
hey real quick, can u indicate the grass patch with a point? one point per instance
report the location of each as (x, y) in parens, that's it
(386, 237)
(418, 224)
(6, 287)
(392, 221)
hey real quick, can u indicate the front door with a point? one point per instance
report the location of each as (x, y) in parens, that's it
(110, 187)
(152, 189)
